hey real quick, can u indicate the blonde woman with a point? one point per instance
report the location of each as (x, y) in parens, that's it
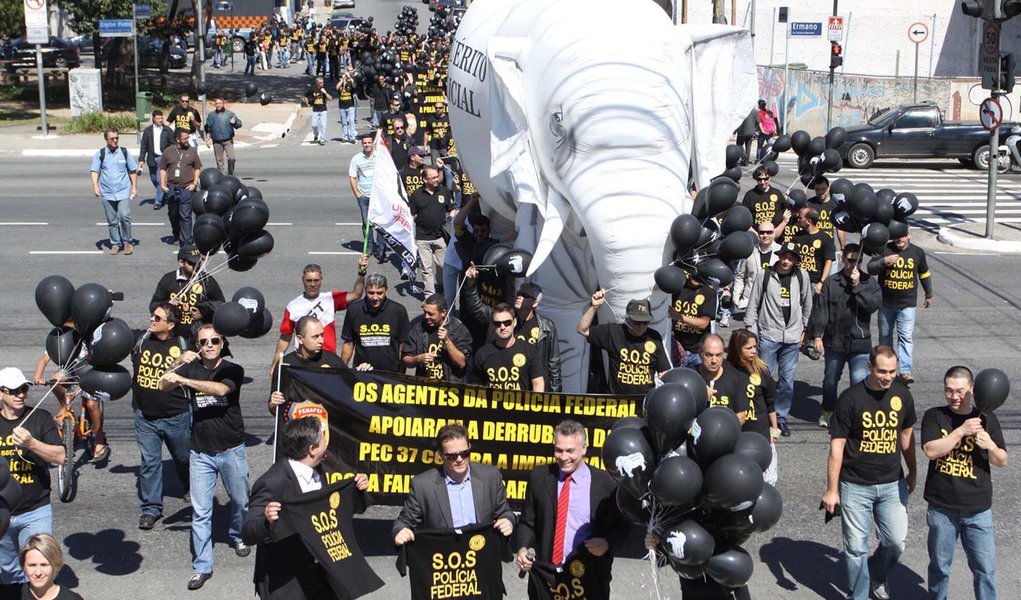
(742, 353)
(41, 560)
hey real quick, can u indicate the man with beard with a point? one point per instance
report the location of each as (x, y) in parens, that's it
(309, 354)
(507, 363)
(766, 202)
(726, 385)
(635, 351)
(180, 167)
(438, 347)
(374, 329)
(438, 135)
(197, 298)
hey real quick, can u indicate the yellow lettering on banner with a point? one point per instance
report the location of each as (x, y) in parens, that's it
(407, 426)
(599, 407)
(501, 461)
(516, 489)
(396, 483)
(522, 433)
(475, 399)
(526, 401)
(419, 395)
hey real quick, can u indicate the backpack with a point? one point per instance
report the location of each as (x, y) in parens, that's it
(767, 273)
(102, 157)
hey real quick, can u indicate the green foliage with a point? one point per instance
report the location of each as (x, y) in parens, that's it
(98, 122)
(84, 15)
(12, 19)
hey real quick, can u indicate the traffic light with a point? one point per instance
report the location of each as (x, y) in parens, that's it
(973, 8)
(1006, 81)
(1011, 8)
(836, 55)
(991, 10)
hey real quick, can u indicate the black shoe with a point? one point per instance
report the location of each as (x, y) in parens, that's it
(147, 521)
(241, 549)
(198, 580)
(785, 431)
(157, 206)
(381, 257)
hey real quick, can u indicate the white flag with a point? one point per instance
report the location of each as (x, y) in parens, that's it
(388, 206)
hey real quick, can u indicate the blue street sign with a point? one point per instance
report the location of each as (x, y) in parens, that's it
(143, 10)
(806, 29)
(115, 28)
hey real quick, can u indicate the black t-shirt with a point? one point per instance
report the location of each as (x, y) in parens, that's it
(693, 302)
(788, 233)
(765, 259)
(216, 423)
(377, 336)
(316, 98)
(63, 594)
(345, 95)
(825, 210)
(960, 480)
(785, 294)
(325, 359)
(412, 178)
(634, 360)
(529, 330)
(815, 249)
(180, 119)
(150, 359)
(32, 473)
(731, 390)
(511, 368)
(899, 281)
(763, 402)
(765, 206)
(421, 340)
(430, 211)
(871, 421)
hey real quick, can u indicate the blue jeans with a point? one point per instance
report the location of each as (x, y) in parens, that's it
(250, 65)
(151, 434)
(376, 245)
(782, 360)
(887, 502)
(283, 58)
(179, 211)
(904, 319)
(347, 123)
(218, 58)
(118, 221)
(310, 63)
(377, 118)
(319, 125)
(232, 466)
(154, 176)
(834, 370)
(23, 526)
(976, 532)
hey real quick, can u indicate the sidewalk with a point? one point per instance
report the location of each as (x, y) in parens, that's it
(971, 236)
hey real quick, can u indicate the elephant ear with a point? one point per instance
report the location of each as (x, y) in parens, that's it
(510, 145)
(722, 63)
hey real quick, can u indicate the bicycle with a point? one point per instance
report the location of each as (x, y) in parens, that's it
(72, 428)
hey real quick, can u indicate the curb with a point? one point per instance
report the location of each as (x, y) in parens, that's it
(290, 121)
(949, 236)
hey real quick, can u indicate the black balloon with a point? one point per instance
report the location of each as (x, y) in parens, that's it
(733, 174)
(495, 251)
(862, 188)
(209, 177)
(843, 188)
(905, 205)
(800, 141)
(864, 206)
(251, 89)
(715, 272)
(731, 567)
(676, 482)
(884, 213)
(807, 179)
(218, 199)
(254, 193)
(684, 232)
(754, 446)
(843, 221)
(768, 508)
(233, 186)
(113, 381)
(782, 143)
(722, 195)
(736, 246)
(835, 138)
(714, 434)
(209, 233)
(669, 411)
(886, 195)
(63, 345)
(256, 246)
(248, 218)
(629, 459)
(738, 218)
(710, 233)
(733, 155)
(634, 510)
(831, 161)
(241, 263)
(690, 379)
(265, 98)
(670, 279)
(732, 482)
(90, 305)
(514, 263)
(201, 87)
(251, 298)
(259, 325)
(875, 235)
(633, 422)
(231, 318)
(772, 168)
(898, 229)
(796, 200)
(688, 543)
(53, 297)
(111, 343)
(991, 389)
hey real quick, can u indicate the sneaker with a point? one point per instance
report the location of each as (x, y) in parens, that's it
(907, 377)
(198, 580)
(824, 420)
(148, 521)
(241, 549)
(128, 248)
(879, 592)
(785, 431)
(725, 320)
(322, 142)
(114, 250)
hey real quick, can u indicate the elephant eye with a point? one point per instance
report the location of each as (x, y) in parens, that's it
(556, 124)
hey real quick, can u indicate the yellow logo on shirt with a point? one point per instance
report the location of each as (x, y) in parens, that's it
(477, 542)
(650, 346)
(518, 360)
(817, 244)
(174, 352)
(577, 568)
(699, 299)
(197, 288)
(895, 403)
(334, 499)
(755, 379)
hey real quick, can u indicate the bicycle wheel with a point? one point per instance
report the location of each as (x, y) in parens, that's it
(65, 471)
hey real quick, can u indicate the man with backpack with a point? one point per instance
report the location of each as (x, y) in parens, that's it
(114, 174)
(779, 306)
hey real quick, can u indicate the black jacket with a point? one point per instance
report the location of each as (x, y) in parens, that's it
(548, 344)
(146, 150)
(843, 317)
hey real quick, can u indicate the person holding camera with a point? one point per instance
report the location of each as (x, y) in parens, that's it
(346, 102)
(317, 97)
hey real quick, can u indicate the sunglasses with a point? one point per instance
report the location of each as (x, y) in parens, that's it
(22, 389)
(213, 341)
(157, 318)
(770, 232)
(762, 179)
(506, 323)
(396, 128)
(452, 456)
(526, 295)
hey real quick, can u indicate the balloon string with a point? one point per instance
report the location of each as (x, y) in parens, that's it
(194, 277)
(36, 407)
(276, 411)
(457, 296)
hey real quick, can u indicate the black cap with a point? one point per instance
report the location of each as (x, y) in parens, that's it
(190, 254)
(639, 311)
(790, 248)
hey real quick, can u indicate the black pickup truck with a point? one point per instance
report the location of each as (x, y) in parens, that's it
(917, 131)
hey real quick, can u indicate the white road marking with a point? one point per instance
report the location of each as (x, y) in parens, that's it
(358, 224)
(280, 224)
(338, 253)
(134, 223)
(66, 252)
(14, 223)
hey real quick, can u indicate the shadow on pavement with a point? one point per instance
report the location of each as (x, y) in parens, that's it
(108, 550)
(815, 566)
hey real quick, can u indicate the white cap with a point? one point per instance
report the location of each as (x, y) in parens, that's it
(12, 378)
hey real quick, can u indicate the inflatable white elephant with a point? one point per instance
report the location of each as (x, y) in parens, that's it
(582, 122)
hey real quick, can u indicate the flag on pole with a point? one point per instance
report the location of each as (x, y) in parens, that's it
(389, 212)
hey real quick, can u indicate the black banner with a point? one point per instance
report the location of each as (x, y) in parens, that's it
(324, 522)
(462, 563)
(579, 578)
(385, 425)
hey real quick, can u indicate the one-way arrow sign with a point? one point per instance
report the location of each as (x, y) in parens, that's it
(918, 32)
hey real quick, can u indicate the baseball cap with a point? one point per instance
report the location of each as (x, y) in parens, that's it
(639, 311)
(12, 378)
(791, 249)
(190, 254)
(417, 151)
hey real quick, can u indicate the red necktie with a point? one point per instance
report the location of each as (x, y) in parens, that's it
(558, 537)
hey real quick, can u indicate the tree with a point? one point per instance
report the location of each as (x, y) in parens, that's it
(12, 19)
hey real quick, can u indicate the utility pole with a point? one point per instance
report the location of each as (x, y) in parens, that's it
(829, 92)
(200, 44)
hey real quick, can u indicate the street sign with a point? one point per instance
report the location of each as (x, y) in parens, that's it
(143, 10)
(781, 15)
(835, 29)
(918, 32)
(989, 57)
(990, 113)
(37, 23)
(115, 28)
(806, 29)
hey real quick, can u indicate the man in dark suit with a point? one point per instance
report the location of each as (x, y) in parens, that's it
(456, 494)
(284, 568)
(155, 139)
(569, 506)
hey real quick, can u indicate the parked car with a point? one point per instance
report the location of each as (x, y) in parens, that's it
(57, 54)
(150, 52)
(346, 23)
(917, 131)
(343, 4)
